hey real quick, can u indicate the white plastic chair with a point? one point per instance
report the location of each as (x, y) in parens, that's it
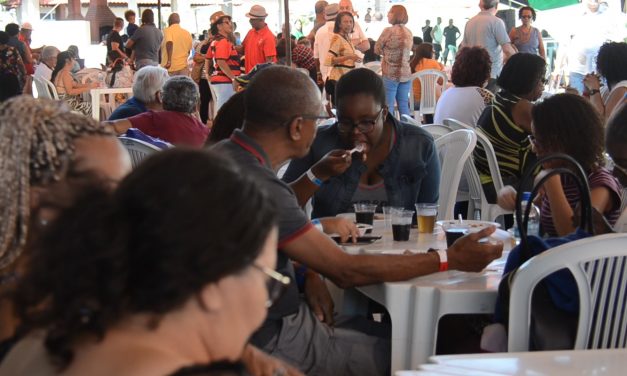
(478, 201)
(410, 120)
(137, 149)
(454, 149)
(45, 88)
(598, 265)
(621, 223)
(374, 66)
(436, 130)
(428, 87)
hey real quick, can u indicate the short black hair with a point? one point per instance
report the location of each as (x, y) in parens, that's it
(567, 123)
(360, 81)
(265, 111)
(533, 12)
(148, 16)
(612, 62)
(417, 41)
(12, 29)
(338, 21)
(521, 73)
(229, 117)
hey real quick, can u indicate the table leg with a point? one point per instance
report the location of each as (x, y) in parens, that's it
(425, 328)
(95, 105)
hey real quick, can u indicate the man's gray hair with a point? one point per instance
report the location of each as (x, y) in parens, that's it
(49, 52)
(489, 4)
(147, 82)
(180, 94)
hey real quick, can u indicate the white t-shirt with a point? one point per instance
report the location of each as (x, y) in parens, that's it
(462, 103)
(321, 46)
(42, 71)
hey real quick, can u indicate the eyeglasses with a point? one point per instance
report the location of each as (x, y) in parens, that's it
(276, 283)
(364, 126)
(318, 118)
(526, 17)
(532, 140)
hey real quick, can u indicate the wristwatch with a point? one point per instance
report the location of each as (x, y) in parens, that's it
(593, 91)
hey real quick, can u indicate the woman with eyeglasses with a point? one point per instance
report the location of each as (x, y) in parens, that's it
(567, 123)
(387, 162)
(161, 277)
(507, 121)
(342, 55)
(222, 59)
(525, 37)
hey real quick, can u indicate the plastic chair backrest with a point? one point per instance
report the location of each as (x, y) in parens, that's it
(374, 66)
(489, 212)
(45, 88)
(428, 87)
(454, 149)
(436, 130)
(410, 120)
(137, 149)
(598, 265)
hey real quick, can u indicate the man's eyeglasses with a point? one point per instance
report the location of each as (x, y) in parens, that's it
(276, 283)
(526, 17)
(364, 126)
(318, 118)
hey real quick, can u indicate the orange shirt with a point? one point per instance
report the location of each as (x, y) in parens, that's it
(424, 65)
(259, 45)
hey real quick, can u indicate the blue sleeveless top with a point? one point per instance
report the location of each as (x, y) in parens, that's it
(531, 46)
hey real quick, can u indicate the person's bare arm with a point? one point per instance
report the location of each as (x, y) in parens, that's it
(513, 35)
(169, 47)
(118, 126)
(130, 43)
(508, 51)
(73, 88)
(541, 49)
(322, 255)
(224, 67)
(363, 46)
(115, 46)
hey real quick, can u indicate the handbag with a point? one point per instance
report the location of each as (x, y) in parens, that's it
(555, 302)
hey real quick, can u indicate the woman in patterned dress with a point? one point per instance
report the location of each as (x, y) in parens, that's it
(68, 89)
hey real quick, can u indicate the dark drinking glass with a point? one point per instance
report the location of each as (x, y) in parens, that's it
(366, 218)
(401, 232)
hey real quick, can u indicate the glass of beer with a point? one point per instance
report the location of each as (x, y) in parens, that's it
(426, 213)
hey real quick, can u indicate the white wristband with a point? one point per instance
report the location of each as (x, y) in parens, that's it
(313, 178)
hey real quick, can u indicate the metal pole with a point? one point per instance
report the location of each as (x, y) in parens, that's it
(287, 34)
(159, 14)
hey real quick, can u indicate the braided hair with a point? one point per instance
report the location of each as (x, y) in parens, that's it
(36, 148)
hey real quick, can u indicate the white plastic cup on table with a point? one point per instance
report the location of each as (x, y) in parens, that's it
(426, 215)
(401, 224)
(364, 213)
(387, 215)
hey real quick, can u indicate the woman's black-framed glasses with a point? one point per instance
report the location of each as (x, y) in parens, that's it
(276, 283)
(364, 126)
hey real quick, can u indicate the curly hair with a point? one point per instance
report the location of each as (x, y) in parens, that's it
(522, 9)
(472, 67)
(567, 123)
(146, 248)
(611, 62)
(36, 149)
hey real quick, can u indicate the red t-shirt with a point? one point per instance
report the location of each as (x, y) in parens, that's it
(221, 49)
(258, 45)
(174, 127)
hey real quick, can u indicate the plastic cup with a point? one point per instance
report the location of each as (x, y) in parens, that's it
(453, 232)
(387, 215)
(401, 224)
(364, 213)
(426, 215)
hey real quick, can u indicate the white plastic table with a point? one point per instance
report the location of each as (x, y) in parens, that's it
(572, 362)
(95, 98)
(415, 306)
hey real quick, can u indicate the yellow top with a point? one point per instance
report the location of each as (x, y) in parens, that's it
(181, 46)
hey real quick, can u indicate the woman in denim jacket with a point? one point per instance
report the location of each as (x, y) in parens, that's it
(397, 164)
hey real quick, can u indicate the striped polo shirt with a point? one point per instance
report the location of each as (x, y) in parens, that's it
(222, 49)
